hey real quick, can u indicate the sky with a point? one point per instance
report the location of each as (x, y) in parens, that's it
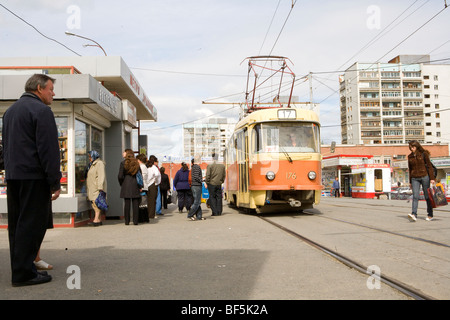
(186, 52)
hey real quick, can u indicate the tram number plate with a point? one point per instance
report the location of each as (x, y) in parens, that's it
(287, 114)
(291, 175)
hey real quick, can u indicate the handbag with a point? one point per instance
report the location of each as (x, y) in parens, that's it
(169, 197)
(100, 202)
(437, 197)
(144, 201)
(174, 197)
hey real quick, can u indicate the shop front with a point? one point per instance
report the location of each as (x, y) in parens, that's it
(89, 116)
(371, 180)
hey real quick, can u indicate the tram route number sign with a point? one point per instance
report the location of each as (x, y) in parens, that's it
(287, 114)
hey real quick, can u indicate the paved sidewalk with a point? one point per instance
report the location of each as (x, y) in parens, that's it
(234, 256)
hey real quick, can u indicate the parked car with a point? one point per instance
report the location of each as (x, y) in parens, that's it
(404, 190)
(401, 193)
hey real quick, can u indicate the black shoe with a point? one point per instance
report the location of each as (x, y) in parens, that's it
(40, 278)
(95, 224)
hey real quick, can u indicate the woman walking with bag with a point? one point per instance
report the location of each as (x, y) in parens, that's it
(420, 174)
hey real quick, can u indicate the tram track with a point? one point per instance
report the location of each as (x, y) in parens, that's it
(396, 284)
(389, 232)
(384, 230)
(380, 205)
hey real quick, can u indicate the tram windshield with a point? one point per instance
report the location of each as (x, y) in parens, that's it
(290, 137)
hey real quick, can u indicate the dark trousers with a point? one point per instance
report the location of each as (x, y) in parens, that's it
(215, 199)
(184, 199)
(337, 193)
(164, 198)
(127, 210)
(152, 193)
(29, 205)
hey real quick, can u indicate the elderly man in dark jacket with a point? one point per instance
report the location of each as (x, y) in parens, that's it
(32, 164)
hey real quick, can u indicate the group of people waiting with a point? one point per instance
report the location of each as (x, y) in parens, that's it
(188, 185)
(144, 187)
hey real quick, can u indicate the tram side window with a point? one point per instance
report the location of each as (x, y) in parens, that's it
(256, 139)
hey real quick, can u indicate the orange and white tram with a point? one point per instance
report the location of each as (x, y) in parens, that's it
(273, 161)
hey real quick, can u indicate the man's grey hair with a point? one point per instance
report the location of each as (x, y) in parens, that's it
(36, 80)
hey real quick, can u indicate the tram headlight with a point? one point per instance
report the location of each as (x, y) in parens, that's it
(270, 175)
(311, 175)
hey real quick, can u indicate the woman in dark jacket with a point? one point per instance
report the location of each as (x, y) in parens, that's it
(181, 184)
(129, 189)
(420, 174)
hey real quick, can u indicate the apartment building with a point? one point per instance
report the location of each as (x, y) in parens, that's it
(395, 102)
(206, 138)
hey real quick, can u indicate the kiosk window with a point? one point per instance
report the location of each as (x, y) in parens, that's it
(82, 139)
(87, 138)
(97, 141)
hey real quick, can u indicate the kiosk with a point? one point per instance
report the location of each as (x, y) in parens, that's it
(97, 104)
(371, 180)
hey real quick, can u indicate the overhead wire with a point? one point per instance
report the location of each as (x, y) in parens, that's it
(270, 25)
(189, 73)
(47, 37)
(186, 122)
(409, 36)
(380, 34)
(282, 28)
(377, 37)
(406, 38)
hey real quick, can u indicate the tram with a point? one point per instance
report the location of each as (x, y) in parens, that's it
(273, 161)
